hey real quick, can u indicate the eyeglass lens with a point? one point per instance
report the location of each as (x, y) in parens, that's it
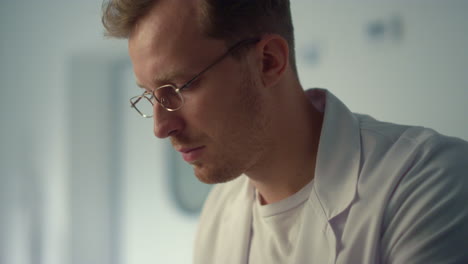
(168, 97)
(143, 105)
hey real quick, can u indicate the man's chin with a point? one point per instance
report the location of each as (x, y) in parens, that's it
(213, 176)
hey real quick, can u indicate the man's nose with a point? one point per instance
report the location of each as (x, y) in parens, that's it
(166, 123)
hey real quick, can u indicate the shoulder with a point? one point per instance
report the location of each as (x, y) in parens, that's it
(418, 144)
(425, 218)
(413, 159)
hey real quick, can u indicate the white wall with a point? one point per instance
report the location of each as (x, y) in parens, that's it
(417, 78)
(37, 39)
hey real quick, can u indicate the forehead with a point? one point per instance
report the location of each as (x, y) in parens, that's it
(168, 20)
(168, 39)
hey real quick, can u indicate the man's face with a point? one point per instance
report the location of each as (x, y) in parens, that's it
(221, 128)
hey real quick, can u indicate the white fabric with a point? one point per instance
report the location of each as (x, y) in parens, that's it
(382, 193)
(275, 228)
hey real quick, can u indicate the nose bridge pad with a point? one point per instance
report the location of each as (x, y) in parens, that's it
(157, 109)
(164, 101)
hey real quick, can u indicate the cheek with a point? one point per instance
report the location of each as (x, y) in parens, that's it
(220, 105)
(212, 102)
(205, 114)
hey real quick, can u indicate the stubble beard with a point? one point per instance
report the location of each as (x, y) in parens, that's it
(247, 142)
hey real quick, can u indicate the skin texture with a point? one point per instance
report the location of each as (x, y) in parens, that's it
(246, 116)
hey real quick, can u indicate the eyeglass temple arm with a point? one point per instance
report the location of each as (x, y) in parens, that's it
(136, 101)
(228, 52)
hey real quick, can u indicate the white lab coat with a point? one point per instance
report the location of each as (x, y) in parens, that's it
(383, 193)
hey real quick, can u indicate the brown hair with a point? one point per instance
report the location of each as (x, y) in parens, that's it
(230, 20)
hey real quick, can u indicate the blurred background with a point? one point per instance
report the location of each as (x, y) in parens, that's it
(83, 180)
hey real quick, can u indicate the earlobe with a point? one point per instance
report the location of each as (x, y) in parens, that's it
(275, 58)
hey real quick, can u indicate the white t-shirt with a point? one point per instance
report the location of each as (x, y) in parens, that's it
(275, 226)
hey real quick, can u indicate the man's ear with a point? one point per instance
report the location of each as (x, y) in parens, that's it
(274, 58)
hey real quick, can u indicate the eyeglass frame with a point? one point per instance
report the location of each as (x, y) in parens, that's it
(178, 90)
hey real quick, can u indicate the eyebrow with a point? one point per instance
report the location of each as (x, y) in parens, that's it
(169, 77)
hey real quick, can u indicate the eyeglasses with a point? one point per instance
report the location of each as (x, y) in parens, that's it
(169, 96)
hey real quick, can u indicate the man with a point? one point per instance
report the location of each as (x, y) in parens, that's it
(304, 180)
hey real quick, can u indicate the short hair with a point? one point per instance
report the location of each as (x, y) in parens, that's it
(230, 20)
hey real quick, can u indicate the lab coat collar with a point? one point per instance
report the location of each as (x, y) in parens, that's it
(339, 151)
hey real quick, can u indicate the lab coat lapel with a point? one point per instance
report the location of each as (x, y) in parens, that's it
(336, 176)
(338, 158)
(237, 227)
(317, 242)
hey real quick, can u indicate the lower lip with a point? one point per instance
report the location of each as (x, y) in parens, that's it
(193, 155)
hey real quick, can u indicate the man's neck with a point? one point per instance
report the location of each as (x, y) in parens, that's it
(290, 162)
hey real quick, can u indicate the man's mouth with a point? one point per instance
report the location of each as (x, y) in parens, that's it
(191, 154)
